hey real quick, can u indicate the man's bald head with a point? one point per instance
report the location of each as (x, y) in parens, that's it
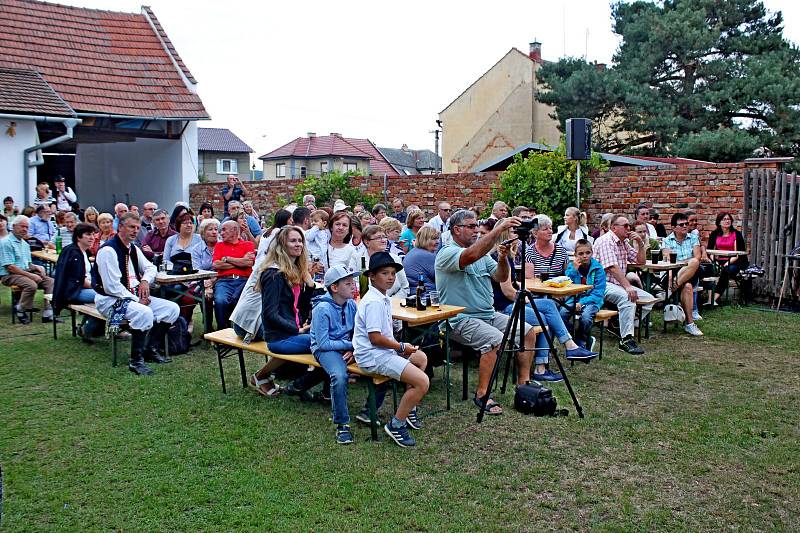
(120, 209)
(230, 231)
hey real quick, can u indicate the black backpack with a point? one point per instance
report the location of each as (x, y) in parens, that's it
(178, 338)
(533, 398)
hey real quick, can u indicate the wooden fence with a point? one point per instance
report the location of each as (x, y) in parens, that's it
(771, 222)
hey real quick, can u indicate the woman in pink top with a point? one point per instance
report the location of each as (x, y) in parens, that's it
(726, 237)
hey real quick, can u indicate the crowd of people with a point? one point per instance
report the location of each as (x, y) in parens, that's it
(320, 280)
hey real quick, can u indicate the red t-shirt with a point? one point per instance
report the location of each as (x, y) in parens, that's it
(238, 250)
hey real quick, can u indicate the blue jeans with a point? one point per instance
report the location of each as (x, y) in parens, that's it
(292, 345)
(86, 296)
(336, 368)
(226, 294)
(547, 308)
(585, 323)
(90, 324)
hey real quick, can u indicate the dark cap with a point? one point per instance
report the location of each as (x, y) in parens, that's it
(383, 259)
(60, 178)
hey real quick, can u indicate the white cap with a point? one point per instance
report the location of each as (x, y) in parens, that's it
(339, 205)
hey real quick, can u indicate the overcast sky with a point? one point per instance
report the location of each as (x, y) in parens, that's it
(272, 71)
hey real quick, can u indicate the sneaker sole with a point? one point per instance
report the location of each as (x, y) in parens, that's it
(581, 358)
(413, 426)
(391, 435)
(623, 350)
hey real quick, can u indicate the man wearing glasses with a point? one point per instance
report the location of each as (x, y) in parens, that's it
(686, 244)
(441, 223)
(614, 252)
(463, 272)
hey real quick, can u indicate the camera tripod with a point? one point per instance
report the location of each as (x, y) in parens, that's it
(523, 297)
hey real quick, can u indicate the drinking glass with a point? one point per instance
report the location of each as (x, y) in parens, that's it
(433, 298)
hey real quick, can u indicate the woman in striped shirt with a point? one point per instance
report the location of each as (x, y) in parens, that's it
(544, 259)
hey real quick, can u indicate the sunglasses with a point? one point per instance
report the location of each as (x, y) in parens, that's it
(682, 224)
(470, 226)
(626, 226)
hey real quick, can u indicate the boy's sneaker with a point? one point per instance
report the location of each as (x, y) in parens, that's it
(363, 417)
(413, 420)
(548, 375)
(580, 354)
(693, 330)
(304, 395)
(696, 316)
(400, 435)
(628, 345)
(343, 434)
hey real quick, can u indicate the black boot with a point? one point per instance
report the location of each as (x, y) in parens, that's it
(155, 349)
(136, 363)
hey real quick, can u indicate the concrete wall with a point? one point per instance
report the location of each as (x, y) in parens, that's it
(312, 166)
(496, 114)
(208, 165)
(12, 180)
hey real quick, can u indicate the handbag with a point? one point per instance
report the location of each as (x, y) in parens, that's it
(532, 398)
(674, 313)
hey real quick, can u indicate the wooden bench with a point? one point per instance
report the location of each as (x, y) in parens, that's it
(639, 305)
(226, 342)
(602, 316)
(91, 311)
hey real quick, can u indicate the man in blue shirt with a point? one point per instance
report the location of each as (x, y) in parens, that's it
(463, 272)
(42, 228)
(16, 268)
(233, 190)
(687, 246)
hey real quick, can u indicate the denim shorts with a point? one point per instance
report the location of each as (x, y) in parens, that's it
(389, 365)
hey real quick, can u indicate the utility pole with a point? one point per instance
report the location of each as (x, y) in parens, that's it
(438, 162)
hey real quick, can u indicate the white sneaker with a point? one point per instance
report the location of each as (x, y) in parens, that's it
(696, 316)
(693, 330)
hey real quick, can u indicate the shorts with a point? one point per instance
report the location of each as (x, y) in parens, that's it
(483, 334)
(388, 365)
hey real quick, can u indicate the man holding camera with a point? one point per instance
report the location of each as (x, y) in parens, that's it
(614, 252)
(463, 272)
(233, 190)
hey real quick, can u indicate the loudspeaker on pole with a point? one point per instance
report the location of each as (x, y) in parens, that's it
(579, 138)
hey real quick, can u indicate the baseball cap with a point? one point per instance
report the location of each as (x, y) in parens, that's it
(337, 273)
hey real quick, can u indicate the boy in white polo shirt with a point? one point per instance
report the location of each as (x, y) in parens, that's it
(377, 351)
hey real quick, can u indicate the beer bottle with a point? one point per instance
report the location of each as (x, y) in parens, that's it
(421, 294)
(363, 280)
(59, 241)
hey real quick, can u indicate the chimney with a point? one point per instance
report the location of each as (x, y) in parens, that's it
(536, 51)
(405, 148)
(334, 134)
(311, 134)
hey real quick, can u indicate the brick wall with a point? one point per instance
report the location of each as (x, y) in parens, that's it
(706, 189)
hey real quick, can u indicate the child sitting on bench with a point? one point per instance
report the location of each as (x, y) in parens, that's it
(378, 352)
(586, 270)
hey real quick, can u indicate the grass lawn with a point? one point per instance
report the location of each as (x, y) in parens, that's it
(695, 435)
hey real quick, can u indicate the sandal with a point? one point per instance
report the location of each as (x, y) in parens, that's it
(491, 406)
(273, 390)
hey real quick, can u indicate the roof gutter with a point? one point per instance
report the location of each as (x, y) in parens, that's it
(69, 124)
(137, 117)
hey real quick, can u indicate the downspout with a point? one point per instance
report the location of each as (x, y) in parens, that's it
(69, 124)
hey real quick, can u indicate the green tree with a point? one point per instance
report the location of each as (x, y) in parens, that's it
(546, 181)
(689, 73)
(331, 186)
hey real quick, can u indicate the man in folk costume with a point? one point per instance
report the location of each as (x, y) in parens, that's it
(122, 276)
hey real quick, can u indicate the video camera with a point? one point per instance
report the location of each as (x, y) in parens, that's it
(527, 225)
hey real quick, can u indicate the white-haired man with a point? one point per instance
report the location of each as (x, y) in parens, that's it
(119, 210)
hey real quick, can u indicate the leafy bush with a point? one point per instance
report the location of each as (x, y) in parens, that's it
(546, 181)
(331, 186)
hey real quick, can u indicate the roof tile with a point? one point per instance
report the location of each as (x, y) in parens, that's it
(220, 140)
(26, 92)
(334, 145)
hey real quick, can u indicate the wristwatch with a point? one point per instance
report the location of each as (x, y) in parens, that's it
(225, 259)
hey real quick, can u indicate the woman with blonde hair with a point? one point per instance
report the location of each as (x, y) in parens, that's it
(286, 287)
(421, 259)
(392, 227)
(90, 215)
(573, 229)
(105, 225)
(414, 222)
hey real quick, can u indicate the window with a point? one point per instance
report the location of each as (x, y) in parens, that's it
(351, 167)
(302, 172)
(227, 166)
(323, 167)
(280, 170)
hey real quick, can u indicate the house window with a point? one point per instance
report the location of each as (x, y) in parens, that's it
(280, 170)
(351, 167)
(227, 166)
(302, 172)
(323, 167)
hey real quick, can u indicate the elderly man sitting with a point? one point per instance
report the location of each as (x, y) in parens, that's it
(156, 240)
(121, 278)
(233, 261)
(42, 228)
(16, 268)
(463, 272)
(119, 210)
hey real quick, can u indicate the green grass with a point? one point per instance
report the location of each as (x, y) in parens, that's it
(695, 435)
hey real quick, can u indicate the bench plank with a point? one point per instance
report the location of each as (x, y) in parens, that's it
(605, 314)
(230, 338)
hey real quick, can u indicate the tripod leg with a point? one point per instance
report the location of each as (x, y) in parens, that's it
(513, 323)
(555, 356)
(498, 361)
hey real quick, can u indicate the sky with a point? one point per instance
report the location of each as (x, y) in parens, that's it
(274, 71)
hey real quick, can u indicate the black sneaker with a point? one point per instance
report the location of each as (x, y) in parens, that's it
(413, 420)
(363, 417)
(400, 435)
(292, 390)
(51, 319)
(23, 319)
(343, 434)
(628, 345)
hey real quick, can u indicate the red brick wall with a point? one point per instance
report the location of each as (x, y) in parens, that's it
(706, 189)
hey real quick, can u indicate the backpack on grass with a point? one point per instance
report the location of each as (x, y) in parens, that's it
(178, 337)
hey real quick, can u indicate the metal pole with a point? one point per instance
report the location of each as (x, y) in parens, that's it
(578, 205)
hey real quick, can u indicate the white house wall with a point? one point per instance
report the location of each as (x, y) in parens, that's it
(190, 165)
(12, 180)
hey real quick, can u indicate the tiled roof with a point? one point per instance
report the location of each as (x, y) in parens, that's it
(26, 92)
(99, 61)
(334, 145)
(414, 161)
(220, 140)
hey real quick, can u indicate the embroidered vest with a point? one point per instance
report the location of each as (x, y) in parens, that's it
(123, 254)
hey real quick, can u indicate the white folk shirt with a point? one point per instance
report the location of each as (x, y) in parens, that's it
(63, 199)
(108, 268)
